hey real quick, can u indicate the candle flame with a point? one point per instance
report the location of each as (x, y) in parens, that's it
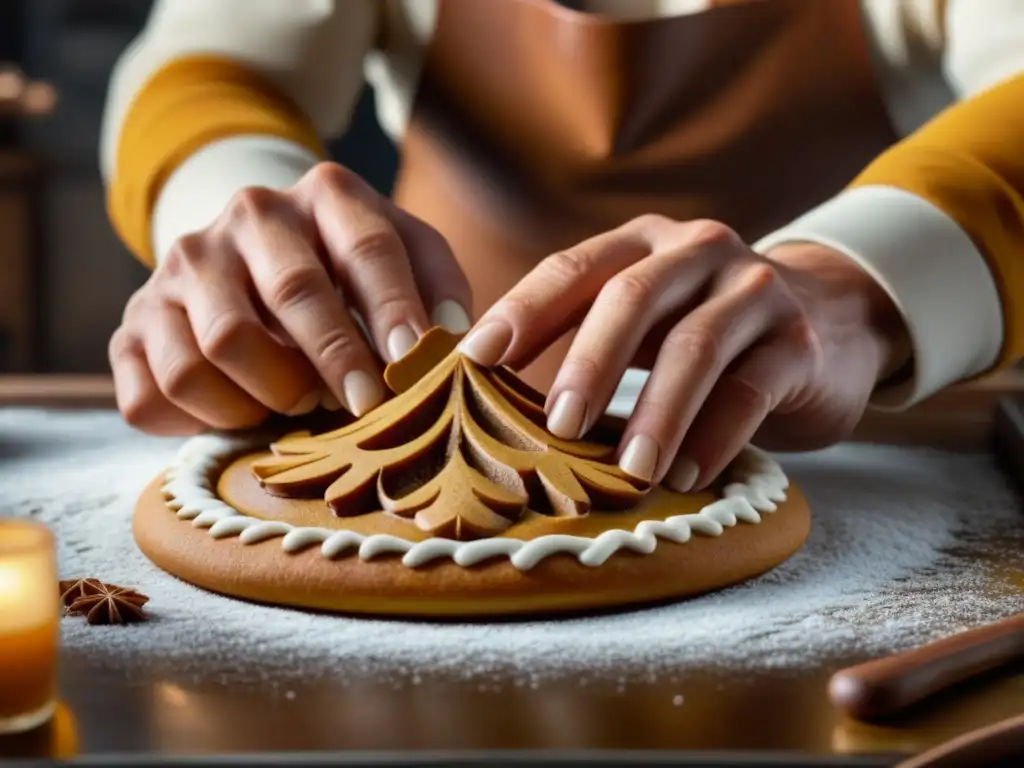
(12, 581)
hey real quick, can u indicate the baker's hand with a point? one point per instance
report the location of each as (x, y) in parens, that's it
(249, 316)
(782, 350)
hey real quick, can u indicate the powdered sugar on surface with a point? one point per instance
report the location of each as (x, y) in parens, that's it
(898, 556)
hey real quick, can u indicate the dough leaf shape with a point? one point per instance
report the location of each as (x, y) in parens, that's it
(460, 450)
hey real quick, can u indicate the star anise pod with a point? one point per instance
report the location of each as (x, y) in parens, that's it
(72, 589)
(102, 603)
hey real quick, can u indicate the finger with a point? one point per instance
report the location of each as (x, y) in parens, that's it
(443, 286)
(738, 405)
(190, 381)
(694, 355)
(139, 399)
(298, 291)
(552, 299)
(369, 257)
(629, 305)
(231, 335)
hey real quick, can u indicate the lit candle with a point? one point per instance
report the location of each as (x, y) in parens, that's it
(29, 625)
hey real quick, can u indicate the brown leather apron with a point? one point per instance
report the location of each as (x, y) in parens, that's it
(535, 126)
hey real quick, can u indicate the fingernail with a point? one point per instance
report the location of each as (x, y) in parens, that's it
(682, 475)
(451, 316)
(640, 458)
(401, 339)
(488, 343)
(305, 405)
(362, 392)
(567, 416)
(329, 402)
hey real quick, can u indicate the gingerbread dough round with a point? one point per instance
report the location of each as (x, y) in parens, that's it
(452, 500)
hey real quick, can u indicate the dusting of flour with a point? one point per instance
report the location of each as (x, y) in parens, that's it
(896, 557)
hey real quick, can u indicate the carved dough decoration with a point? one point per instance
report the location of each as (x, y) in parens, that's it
(461, 453)
(460, 450)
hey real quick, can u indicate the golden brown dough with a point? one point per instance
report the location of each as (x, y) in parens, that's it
(452, 499)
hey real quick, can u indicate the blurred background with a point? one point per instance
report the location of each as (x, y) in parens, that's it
(64, 277)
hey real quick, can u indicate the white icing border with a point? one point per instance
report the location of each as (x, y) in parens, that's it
(759, 484)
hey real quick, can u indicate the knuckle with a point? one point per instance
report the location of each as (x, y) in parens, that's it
(187, 255)
(517, 308)
(695, 346)
(651, 223)
(137, 412)
(332, 176)
(222, 334)
(372, 245)
(628, 290)
(337, 347)
(294, 286)
(567, 266)
(760, 279)
(121, 345)
(252, 203)
(708, 232)
(391, 303)
(804, 338)
(135, 305)
(747, 395)
(586, 370)
(178, 377)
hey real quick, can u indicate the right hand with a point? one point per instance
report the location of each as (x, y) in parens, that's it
(249, 316)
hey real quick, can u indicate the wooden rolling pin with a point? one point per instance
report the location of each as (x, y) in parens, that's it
(995, 745)
(886, 686)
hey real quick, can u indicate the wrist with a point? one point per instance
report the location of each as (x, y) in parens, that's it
(203, 185)
(835, 288)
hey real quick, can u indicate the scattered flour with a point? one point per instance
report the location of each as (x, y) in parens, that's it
(896, 557)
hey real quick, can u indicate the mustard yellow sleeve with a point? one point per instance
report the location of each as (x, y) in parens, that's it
(968, 162)
(187, 104)
(213, 97)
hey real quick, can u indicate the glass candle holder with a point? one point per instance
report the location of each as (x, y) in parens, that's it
(29, 625)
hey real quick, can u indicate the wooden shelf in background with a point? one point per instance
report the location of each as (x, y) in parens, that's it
(60, 391)
(19, 261)
(961, 418)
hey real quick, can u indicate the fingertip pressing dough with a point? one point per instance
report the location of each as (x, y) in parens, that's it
(452, 500)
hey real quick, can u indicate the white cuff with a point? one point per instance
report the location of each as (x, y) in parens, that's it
(201, 187)
(931, 269)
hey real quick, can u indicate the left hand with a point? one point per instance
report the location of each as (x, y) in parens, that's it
(782, 349)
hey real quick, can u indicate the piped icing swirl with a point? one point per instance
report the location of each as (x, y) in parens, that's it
(756, 485)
